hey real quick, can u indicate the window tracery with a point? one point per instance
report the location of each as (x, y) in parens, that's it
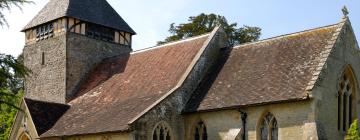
(162, 132)
(268, 128)
(346, 99)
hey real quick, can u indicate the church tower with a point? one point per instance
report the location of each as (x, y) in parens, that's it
(65, 41)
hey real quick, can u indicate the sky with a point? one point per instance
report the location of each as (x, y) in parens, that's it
(151, 19)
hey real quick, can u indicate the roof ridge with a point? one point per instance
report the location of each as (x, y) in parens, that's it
(285, 35)
(171, 43)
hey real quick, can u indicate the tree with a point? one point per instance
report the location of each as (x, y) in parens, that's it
(12, 73)
(205, 23)
(11, 70)
(6, 5)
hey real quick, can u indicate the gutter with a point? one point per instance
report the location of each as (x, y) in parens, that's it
(305, 98)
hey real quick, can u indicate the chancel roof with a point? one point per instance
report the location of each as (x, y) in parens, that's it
(274, 70)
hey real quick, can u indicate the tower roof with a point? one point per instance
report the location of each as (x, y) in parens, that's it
(94, 11)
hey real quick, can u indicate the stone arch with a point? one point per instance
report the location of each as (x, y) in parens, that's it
(262, 115)
(193, 123)
(272, 122)
(199, 129)
(347, 94)
(23, 136)
(162, 129)
(348, 69)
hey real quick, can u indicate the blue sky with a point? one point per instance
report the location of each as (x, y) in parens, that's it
(151, 19)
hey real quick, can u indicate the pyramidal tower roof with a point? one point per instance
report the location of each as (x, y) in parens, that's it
(94, 11)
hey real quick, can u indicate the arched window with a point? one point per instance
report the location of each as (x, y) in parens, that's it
(23, 137)
(162, 132)
(268, 128)
(200, 131)
(346, 100)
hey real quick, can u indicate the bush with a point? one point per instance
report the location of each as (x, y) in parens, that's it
(353, 132)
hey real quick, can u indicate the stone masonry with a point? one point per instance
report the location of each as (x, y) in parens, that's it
(58, 65)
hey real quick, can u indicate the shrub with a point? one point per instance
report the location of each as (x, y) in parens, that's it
(353, 132)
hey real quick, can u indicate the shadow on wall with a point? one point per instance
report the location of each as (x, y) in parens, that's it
(102, 72)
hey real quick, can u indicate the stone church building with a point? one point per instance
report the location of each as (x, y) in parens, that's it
(88, 84)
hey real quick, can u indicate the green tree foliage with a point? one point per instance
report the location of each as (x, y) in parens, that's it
(6, 5)
(7, 114)
(12, 72)
(353, 132)
(205, 23)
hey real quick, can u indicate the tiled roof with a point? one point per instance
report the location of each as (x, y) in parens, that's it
(122, 87)
(94, 11)
(268, 71)
(45, 114)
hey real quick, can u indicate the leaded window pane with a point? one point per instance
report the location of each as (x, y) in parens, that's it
(264, 133)
(274, 130)
(154, 136)
(350, 114)
(161, 134)
(204, 133)
(168, 136)
(344, 112)
(197, 135)
(264, 129)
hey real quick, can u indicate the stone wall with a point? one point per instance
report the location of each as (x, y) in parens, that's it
(217, 123)
(291, 118)
(46, 81)
(345, 53)
(169, 110)
(83, 54)
(68, 59)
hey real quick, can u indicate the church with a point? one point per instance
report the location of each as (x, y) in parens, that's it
(86, 82)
